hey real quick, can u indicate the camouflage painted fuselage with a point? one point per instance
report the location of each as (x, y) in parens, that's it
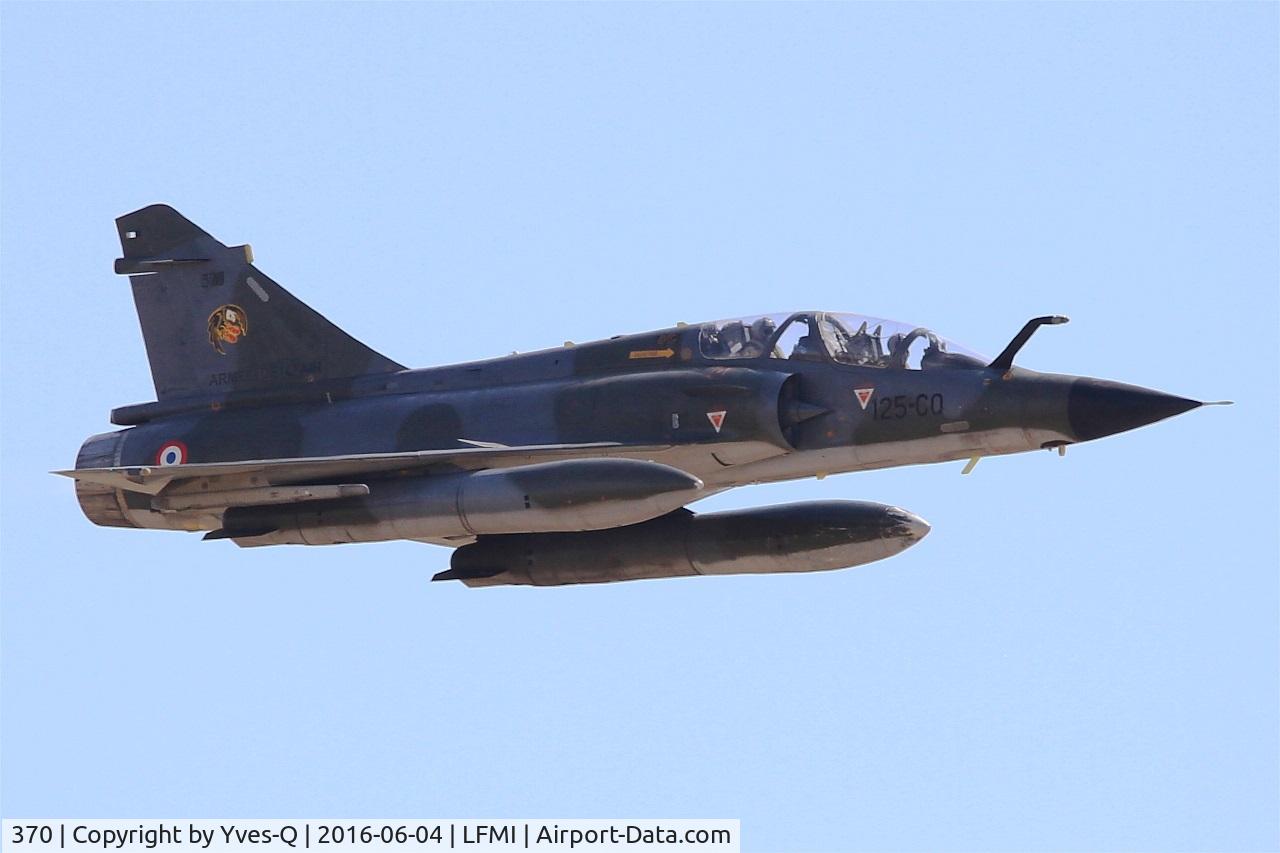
(781, 419)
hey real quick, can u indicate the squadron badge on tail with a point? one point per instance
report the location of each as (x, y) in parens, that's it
(226, 326)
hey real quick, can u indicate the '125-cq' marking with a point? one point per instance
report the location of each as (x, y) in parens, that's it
(901, 405)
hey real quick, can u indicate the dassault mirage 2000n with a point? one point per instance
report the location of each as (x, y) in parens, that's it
(571, 465)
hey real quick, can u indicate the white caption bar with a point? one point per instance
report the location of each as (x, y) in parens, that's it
(267, 836)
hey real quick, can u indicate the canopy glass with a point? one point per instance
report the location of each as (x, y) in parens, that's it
(851, 339)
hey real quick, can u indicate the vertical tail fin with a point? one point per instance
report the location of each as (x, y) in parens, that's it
(214, 324)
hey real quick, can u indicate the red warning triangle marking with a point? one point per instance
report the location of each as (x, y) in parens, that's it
(717, 419)
(864, 395)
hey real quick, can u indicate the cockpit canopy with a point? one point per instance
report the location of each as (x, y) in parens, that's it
(824, 336)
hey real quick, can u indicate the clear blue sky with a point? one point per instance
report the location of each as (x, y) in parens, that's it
(1082, 655)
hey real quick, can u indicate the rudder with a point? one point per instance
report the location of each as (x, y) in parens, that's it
(214, 324)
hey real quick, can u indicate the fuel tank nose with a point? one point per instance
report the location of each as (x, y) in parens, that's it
(904, 525)
(1098, 407)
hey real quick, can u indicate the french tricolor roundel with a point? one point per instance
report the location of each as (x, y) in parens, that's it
(171, 453)
(864, 396)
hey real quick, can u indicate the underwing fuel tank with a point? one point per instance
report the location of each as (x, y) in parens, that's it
(801, 537)
(574, 494)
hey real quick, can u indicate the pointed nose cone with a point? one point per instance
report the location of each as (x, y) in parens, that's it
(1097, 408)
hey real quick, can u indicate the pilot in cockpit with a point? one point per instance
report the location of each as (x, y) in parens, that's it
(730, 340)
(761, 331)
(899, 349)
(933, 353)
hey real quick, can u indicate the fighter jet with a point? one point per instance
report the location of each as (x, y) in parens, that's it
(575, 464)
